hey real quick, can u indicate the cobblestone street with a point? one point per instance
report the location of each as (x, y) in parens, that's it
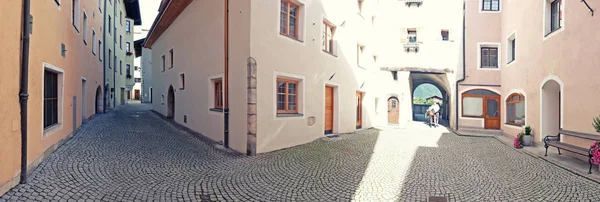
(130, 154)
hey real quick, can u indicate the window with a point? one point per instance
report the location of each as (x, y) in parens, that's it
(489, 57)
(100, 5)
(491, 5)
(128, 69)
(85, 27)
(120, 42)
(445, 35)
(120, 66)
(57, 2)
(328, 33)
(515, 109)
(109, 56)
(360, 52)
(163, 63)
(137, 80)
(556, 15)
(121, 17)
(511, 49)
(127, 26)
(218, 93)
(115, 63)
(75, 14)
(360, 6)
(181, 81)
(289, 19)
(128, 47)
(412, 36)
(94, 42)
(109, 23)
(473, 104)
(287, 96)
(172, 59)
(100, 48)
(50, 99)
(136, 68)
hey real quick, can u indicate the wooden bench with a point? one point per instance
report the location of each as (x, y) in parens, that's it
(554, 141)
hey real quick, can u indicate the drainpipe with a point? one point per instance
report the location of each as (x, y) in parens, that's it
(226, 77)
(24, 85)
(104, 103)
(464, 74)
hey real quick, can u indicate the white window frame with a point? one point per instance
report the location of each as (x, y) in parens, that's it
(504, 120)
(547, 27)
(76, 17)
(61, 81)
(84, 27)
(508, 61)
(100, 50)
(181, 81)
(491, 45)
(94, 42)
(480, 8)
(211, 93)
(334, 48)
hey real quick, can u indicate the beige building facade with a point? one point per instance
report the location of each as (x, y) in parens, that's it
(537, 60)
(322, 67)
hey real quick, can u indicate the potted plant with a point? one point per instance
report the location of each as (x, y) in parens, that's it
(518, 141)
(595, 148)
(527, 139)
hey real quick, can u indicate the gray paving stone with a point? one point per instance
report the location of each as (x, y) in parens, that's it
(121, 157)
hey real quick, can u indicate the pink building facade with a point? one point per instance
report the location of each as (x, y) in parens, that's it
(530, 63)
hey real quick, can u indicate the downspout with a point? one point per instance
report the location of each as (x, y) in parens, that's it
(114, 71)
(104, 61)
(226, 77)
(24, 85)
(464, 72)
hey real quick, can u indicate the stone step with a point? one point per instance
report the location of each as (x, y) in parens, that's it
(479, 132)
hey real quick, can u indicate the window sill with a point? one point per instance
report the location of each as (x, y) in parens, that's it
(290, 115)
(51, 129)
(489, 11)
(510, 63)
(181, 88)
(514, 124)
(216, 110)
(75, 27)
(489, 68)
(553, 32)
(288, 36)
(85, 42)
(476, 117)
(329, 53)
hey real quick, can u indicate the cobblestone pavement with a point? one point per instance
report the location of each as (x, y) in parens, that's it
(132, 155)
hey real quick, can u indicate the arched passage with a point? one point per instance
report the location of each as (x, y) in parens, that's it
(426, 89)
(551, 100)
(171, 103)
(98, 100)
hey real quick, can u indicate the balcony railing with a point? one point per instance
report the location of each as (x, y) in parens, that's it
(410, 2)
(411, 45)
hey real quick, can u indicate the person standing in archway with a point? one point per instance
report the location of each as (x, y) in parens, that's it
(434, 112)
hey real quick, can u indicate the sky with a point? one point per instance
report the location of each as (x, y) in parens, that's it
(149, 9)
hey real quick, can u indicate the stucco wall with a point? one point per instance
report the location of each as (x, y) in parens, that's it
(10, 133)
(116, 77)
(146, 74)
(196, 38)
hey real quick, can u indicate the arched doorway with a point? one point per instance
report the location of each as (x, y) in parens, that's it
(551, 108)
(426, 94)
(98, 100)
(171, 103)
(393, 110)
(481, 103)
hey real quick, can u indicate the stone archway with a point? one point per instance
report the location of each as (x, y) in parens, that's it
(171, 103)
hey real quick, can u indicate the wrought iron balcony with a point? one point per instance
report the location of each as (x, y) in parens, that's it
(411, 45)
(410, 2)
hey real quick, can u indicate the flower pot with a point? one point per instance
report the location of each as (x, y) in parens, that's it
(527, 139)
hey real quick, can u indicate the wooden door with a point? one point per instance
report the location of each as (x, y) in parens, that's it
(393, 110)
(329, 109)
(136, 94)
(359, 100)
(491, 114)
